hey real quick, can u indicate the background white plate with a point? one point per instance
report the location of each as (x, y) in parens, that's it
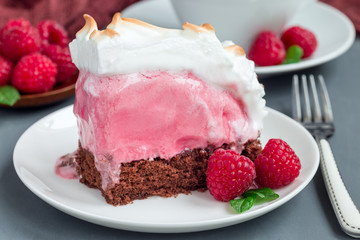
(38, 148)
(334, 31)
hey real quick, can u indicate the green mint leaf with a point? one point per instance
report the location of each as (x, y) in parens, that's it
(243, 204)
(9, 95)
(265, 194)
(293, 54)
(251, 197)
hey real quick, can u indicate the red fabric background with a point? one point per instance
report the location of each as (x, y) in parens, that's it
(69, 12)
(350, 7)
(66, 12)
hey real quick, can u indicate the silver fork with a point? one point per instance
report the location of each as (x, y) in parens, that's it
(322, 127)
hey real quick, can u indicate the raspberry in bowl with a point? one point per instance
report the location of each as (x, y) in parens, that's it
(294, 44)
(36, 66)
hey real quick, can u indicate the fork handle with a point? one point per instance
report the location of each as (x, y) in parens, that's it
(346, 212)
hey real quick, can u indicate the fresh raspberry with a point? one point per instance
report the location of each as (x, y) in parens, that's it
(62, 58)
(277, 165)
(18, 38)
(6, 67)
(20, 22)
(34, 73)
(267, 49)
(229, 174)
(52, 32)
(302, 37)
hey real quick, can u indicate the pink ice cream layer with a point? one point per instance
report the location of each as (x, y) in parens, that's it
(127, 117)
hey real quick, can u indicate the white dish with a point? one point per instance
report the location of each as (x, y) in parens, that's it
(332, 41)
(56, 135)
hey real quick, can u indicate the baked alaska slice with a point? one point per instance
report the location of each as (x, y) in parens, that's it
(153, 103)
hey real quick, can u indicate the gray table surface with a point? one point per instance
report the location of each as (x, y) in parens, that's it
(309, 215)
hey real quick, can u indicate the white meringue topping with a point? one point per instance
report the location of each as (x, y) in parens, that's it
(130, 45)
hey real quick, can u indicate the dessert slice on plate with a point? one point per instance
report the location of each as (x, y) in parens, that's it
(152, 104)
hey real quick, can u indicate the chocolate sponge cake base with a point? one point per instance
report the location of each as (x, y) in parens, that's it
(141, 179)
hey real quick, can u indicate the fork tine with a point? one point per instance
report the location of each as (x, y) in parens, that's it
(296, 108)
(328, 115)
(316, 104)
(307, 109)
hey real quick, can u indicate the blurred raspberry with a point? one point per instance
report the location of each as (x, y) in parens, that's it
(34, 73)
(267, 49)
(6, 67)
(52, 32)
(62, 58)
(302, 37)
(20, 22)
(277, 165)
(18, 38)
(229, 174)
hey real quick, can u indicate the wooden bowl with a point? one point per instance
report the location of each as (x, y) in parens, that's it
(58, 93)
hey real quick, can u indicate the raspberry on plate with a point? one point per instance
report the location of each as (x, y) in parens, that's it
(52, 32)
(34, 73)
(267, 49)
(302, 37)
(229, 174)
(6, 67)
(277, 165)
(62, 58)
(18, 38)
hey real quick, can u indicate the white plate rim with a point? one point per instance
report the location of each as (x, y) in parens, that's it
(190, 226)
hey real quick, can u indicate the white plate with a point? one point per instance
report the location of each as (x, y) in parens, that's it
(334, 31)
(56, 134)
